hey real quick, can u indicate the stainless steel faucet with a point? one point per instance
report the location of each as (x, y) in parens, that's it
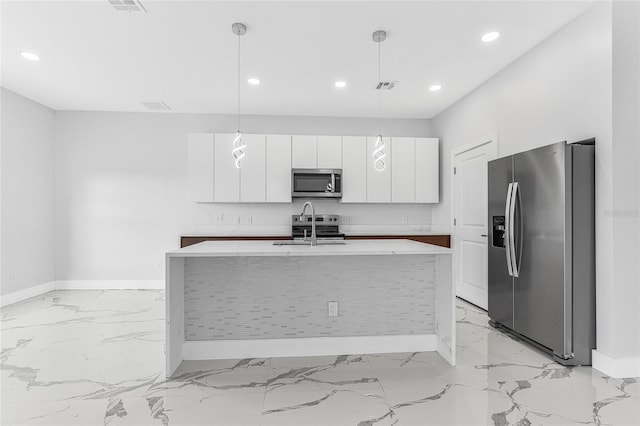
(314, 239)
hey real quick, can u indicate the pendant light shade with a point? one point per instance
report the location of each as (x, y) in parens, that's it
(238, 144)
(378, 153)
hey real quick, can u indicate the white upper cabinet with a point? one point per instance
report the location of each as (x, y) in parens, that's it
(329, 149)
(316, 152)
(354, 169)
(378, 182)
(226, 174)
(253, 171)
(411, 173)
(403, 179)
(278, 164)
(427, 170)
(200, 151)
(304, 152)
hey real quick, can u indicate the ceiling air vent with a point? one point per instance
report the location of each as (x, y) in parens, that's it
(128, 5)
(157, 106)
(386, 85)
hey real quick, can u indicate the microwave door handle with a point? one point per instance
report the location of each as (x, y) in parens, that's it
(507, 230)
(333, 182)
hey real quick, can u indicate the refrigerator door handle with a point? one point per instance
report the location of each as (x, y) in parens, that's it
(508, 230)
(517, 257)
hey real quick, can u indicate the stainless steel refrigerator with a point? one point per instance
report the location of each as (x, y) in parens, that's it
(541, 256)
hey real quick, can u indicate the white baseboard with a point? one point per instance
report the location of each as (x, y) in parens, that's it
(37, 290)
(27, 293)
(615, 367)
(310, 346)
(110, 285)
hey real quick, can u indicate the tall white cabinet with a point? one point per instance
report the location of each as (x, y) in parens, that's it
(378, 182)
(354, 169)
(278, 168)
(427, 173)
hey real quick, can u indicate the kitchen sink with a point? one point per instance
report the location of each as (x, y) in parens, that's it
(307, 243)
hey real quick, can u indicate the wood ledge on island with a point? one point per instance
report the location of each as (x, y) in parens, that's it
(443, 240)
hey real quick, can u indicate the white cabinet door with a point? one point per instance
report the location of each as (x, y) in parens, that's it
(403, 178)
(329, 150)
(427, 170)
(378, 182)
(278, 168)
(253, 171)
(226, 175)
(303, 152)
(354, 169)
(200, 152)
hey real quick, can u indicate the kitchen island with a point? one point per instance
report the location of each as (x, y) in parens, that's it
(248, 299)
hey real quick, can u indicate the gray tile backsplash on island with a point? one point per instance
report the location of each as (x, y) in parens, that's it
(297, 306)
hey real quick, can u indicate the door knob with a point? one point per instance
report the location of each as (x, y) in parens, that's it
(484, 235)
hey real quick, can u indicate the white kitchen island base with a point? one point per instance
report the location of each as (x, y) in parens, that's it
(250, 299)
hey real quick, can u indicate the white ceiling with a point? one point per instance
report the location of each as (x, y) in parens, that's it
(184, 53)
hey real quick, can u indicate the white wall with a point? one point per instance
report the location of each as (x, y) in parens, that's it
(562, 90)
(621, 314)
(26, 221)
(120, 188)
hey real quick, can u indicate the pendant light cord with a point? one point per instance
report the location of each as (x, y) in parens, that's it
(379, 89)
(238, 86)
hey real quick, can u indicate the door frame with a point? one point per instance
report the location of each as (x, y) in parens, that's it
(489, 138)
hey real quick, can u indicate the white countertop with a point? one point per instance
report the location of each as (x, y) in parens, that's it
(266, 248)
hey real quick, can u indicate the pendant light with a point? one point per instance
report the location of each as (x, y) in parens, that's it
(238, 144)
(378, 152)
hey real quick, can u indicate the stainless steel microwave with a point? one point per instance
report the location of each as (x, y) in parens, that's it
(316, 183)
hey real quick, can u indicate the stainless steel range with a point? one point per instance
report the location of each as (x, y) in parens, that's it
(327, 227)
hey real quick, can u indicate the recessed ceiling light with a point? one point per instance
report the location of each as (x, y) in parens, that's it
(340, 84)
(435, 87)
(493, 35)
(253, 81)
(30, 56)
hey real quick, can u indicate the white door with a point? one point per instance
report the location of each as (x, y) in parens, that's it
(470, 221)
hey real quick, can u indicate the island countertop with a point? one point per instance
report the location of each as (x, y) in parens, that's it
(267, 248)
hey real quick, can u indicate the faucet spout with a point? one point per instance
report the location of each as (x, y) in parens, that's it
(314, 239)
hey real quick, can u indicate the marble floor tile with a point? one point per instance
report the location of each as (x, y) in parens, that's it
(97, 358)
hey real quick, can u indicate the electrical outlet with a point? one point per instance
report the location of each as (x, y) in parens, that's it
(13, 275)
(220, 217)
(236, 220)
(332, 308)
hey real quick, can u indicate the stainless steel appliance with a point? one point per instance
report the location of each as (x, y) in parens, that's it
(541, 254)
(316, 183)
(327, 227)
